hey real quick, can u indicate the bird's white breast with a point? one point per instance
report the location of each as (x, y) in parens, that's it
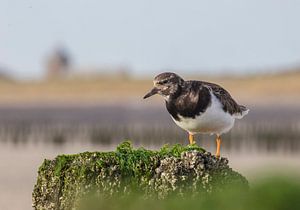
(213, 121)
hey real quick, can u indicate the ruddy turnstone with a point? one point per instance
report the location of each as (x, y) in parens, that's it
(198, 106)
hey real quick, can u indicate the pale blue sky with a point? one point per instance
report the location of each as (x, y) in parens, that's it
(150, 36)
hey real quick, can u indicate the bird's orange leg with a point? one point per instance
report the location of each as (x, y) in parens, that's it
(191, 138)
(218, 140)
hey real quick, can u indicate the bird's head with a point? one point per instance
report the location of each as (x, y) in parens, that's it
(165, 84)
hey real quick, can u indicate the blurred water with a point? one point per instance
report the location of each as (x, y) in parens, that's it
(266, 139)
(264, 129)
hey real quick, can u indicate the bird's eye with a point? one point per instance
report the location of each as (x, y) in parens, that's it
(163, 82)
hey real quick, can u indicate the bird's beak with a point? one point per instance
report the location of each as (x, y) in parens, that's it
(151, 93)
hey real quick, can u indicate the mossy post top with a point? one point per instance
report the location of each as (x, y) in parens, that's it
(62, 182)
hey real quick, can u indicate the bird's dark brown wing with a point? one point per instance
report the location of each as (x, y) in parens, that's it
(229, 104)
(193, 100)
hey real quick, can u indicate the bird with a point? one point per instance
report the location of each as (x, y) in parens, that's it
(198, 106)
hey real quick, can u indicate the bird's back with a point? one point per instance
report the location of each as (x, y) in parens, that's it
(195, 98)
(228, 103)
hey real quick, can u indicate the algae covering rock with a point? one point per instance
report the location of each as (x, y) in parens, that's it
(176, 170)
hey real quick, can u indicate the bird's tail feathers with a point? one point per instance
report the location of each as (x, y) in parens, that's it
(244, 112)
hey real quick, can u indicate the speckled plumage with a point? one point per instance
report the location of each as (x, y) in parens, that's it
(197, 106)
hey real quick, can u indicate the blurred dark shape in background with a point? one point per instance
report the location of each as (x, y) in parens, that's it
(58, 63)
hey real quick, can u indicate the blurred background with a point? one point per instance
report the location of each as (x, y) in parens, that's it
(73, 74)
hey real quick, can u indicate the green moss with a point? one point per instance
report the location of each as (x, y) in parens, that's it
(170, 170)
(177, 149)
(60, 164)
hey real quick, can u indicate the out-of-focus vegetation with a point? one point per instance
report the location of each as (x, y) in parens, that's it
(280, 88)
(277, 193)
